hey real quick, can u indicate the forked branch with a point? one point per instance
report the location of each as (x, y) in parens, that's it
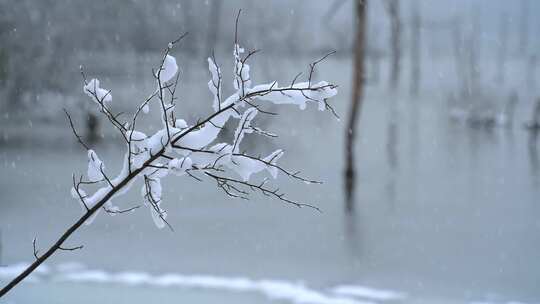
(182, 149)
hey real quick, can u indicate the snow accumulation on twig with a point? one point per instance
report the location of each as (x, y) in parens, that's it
(188, 150)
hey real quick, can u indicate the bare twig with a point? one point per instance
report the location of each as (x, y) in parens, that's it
(79, 139)
(71, 248)
(314, 64)
(229, 185)
(34, 249)
(121, 211)
(159, 158)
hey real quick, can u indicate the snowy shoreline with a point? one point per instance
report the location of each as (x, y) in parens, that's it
(292, 292)
(272, 289)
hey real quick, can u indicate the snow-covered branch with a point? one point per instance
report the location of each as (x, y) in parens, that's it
(181, 149)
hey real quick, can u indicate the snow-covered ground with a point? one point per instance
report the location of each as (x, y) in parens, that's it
(177, 287)
(285, 291)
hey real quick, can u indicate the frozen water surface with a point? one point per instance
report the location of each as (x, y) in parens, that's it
(445, 214)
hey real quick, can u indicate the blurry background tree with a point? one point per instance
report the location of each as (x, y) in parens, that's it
(356, 102)
(31, 31)
(408, 141)
(27, 65)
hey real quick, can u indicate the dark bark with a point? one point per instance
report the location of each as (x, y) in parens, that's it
(92, 128)
(172, 141)
(356, 102)
(58, 244)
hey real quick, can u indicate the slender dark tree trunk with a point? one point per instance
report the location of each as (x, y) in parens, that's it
(92, 128)
(356, 102)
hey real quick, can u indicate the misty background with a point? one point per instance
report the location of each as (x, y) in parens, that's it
(448, 167)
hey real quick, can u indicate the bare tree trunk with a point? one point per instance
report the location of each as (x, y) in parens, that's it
(213, 25)
(356, 102)
(415, 50)
(503, 49)
(92, 128)
(395, 40)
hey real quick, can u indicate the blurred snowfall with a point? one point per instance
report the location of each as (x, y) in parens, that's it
(448, 204)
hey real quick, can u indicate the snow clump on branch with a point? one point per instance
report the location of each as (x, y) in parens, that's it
(190, 150)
